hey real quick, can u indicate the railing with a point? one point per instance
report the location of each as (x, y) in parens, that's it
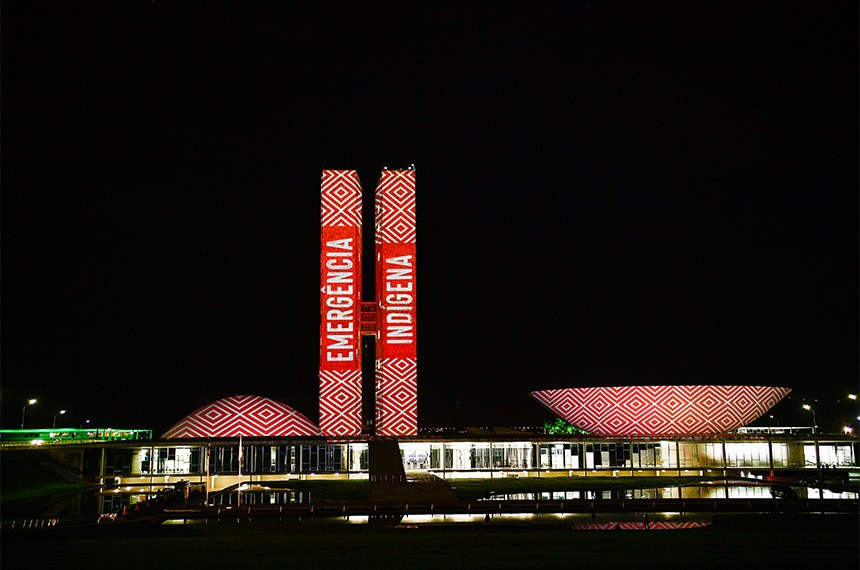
(29, 524)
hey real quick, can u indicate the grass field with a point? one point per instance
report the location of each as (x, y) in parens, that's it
(749, 541)
(22, 478)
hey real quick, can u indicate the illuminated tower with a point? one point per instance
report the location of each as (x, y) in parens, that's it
(391, 318)
(340, 303)
(396, 339)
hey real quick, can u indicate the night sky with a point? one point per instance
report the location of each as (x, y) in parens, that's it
(608, 194)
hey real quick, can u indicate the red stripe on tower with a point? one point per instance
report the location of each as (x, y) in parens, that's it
(340, 303)
(396, 344)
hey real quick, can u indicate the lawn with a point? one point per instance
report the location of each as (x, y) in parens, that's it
(762, 541)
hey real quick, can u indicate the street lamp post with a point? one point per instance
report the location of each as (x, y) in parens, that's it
(83, 424)
(30, 402)
(814, 422)
(60, 413)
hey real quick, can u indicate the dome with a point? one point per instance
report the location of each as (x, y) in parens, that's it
(249, 416)
(660, 410)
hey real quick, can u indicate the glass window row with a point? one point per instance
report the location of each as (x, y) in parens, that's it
(474, 456)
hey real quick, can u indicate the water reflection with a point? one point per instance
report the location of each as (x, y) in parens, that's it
(271, 497)
(574, 520)
(646, 525)
(685, 492)
(248, 498)
(89, 505)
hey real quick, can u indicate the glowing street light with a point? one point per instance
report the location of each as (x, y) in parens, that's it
(852, 396)
(814, 422)
(30, 402)
(83, 424)
(60, 413)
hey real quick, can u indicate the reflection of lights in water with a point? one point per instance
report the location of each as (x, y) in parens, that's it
(467, 518)
(560, 516)
(827, 494)
(704, 491)
(625, 525)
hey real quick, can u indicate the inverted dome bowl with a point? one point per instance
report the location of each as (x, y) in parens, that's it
(660, 410)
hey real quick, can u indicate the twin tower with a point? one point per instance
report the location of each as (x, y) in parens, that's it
(345, 318)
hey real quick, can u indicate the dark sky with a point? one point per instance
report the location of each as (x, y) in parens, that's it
(608, 194)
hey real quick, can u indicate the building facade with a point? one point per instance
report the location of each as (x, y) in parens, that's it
(132, 471)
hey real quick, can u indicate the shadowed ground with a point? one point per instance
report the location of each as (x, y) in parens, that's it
(762, 541)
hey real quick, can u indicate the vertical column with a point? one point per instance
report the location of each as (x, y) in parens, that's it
(340, 303)
(396, 344)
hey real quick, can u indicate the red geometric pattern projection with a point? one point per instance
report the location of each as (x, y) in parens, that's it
(340, 303)
(340, 402)
(396, 296)
(340, 203)
(660, 410)
(248, 416)
(397, 397)
(656, 525)
(395, 207)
